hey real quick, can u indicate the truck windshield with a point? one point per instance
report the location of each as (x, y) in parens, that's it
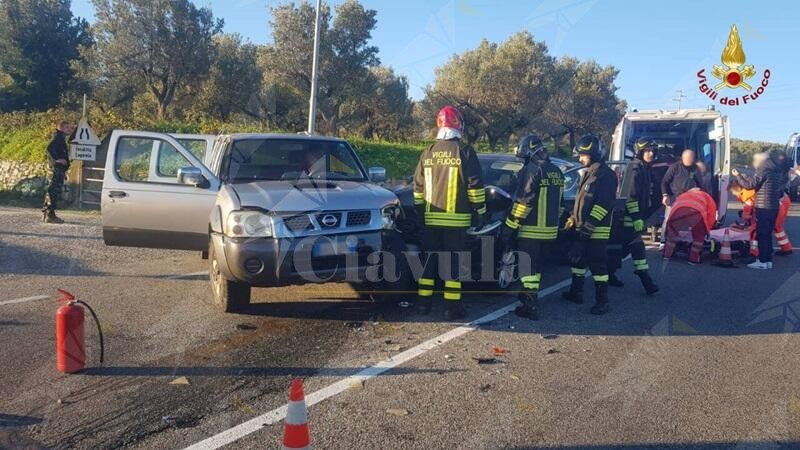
(290, 159)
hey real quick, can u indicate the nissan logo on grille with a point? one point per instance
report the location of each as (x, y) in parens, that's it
(329, 220)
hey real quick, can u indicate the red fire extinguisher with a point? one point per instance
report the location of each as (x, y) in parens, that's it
(70, 338)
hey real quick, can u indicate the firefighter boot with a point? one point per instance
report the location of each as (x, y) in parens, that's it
(424, 305)
(575, 293)
(601, 299)
(649, 286)
(50, 217)
(614, 281)
(425, 295)
(454, 311)
(528, 308)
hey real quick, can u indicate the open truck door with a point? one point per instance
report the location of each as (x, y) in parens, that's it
(156, 193)
(721, 134)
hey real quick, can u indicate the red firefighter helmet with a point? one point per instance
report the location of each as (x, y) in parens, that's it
(449, 117)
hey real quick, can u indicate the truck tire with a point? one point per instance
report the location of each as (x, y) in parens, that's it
(230, 296)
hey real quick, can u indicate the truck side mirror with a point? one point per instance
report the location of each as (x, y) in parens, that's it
(191, 176)
(377, 174)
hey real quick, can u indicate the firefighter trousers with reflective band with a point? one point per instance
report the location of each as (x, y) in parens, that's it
(530, 263)
(445, 258)
(54, 188)
(626, 241)
(594, 258)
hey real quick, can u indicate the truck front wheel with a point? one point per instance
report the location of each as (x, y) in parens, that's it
(230, 296)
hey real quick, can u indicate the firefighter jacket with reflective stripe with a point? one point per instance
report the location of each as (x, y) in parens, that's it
(636, 190)
(594, 201)
(700, 202)
(448, 184)
(536, 210)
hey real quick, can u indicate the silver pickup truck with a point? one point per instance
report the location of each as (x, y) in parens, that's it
(265, 209)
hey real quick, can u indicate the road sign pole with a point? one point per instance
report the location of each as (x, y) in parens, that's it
(312, 103)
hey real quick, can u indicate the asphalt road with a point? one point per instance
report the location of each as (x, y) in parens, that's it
(710, 362)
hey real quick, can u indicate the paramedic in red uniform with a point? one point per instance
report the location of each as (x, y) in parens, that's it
(693, 211)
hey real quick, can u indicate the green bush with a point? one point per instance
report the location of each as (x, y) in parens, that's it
(400, 160)
(24, 137)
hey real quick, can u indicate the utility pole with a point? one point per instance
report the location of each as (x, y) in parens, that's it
(312, 103)
(679, 97)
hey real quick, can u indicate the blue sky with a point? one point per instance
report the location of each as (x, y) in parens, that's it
(658, 46)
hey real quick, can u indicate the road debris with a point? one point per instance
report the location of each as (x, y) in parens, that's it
(180, 381)
(357, 384)
(398, 412)
(246, 327)
(487, 360)
(523, 405)
(242, 406)
(514, 377)
(354, 324)
(449, 357)
(552, 351)
(485, 387)
(550, 336)
(498, 351)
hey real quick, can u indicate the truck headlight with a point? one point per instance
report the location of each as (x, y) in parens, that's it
(388, 215)
(248, 224)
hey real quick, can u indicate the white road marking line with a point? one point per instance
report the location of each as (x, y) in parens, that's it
(276, 415)
(187, 275)
(23, 300)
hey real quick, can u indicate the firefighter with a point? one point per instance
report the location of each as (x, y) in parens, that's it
(448, 194)
(58, 160)
(626, 230)
(591, 224)
(534, 217)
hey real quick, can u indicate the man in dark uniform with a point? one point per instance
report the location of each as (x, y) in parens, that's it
(591, 222)
(534, 217)
(448, 191)
(58, 159)
(628, 225)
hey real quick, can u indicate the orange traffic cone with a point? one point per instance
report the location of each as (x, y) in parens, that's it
(295, 431)
(725, 258)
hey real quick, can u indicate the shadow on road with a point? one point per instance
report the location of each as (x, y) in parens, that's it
(52, 236)
(750, 445)
(131, 371)
(12, 420)
(28, 261)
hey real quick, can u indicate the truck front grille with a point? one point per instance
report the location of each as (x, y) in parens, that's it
(298, 223)
(329, 220)
(314, 222)
(358, 218)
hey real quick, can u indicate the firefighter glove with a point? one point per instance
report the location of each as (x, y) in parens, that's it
(505, 235)
(638, 225)
(481, 220)
(584, 234)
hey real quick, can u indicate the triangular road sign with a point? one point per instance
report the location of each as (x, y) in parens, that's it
(85, 135)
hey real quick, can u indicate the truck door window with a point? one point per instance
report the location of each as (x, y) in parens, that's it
(170, 160)
(133, 160)
(196, 146)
